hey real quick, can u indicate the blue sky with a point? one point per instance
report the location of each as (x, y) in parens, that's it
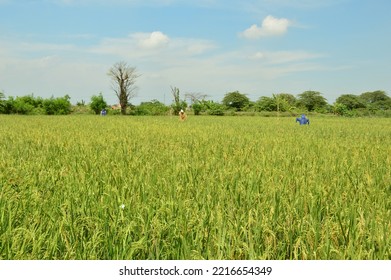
(258, 47)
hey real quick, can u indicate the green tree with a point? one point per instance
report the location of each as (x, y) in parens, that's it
(285, 102)
(377, 100)
(351, 101)
(8, 107)
(281, 102)
(197, 108)
(177, 104)
(36, 102)
(236, 100)
(22, 106)
(266, 103)
(57, 106)
(123, 78)
(311, 100)
(98, 103)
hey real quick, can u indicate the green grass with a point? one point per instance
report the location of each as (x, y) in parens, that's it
(207, 188)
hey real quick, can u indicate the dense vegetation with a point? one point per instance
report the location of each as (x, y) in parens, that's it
(376, 103)
(208, 188)
(31, 105)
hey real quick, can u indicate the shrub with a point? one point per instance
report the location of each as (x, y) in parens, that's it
(57, 106)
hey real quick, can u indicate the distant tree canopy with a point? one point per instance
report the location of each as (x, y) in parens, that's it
(376, 103)
(377, 100)
(311, 100)
(351, 101)
(31, 105)
(236, 100)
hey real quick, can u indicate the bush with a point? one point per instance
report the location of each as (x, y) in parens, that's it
(197, 108)
(216, 112)
(98, 103)
(236, 100)
(22, 107)
(57, 106)
(152, 108)
(214, 109)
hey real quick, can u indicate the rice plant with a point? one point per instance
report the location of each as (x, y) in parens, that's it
(90, 187)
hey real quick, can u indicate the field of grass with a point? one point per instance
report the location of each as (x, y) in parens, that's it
(91, 187)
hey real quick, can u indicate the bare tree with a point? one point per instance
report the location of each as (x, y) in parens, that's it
(195, 97)
(123, 78)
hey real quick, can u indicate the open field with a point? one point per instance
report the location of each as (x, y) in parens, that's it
(91, 187)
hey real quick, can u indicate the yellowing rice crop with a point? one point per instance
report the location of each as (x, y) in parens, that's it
(91, 187)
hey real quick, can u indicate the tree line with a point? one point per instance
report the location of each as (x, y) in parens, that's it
(376, 103)
(124, 77)
(32, 105)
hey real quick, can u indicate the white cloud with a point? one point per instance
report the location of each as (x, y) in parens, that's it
(152, 40)
(271, 26)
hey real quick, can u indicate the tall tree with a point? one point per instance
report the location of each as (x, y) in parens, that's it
(351, 101)
(123, 79)
(374, 96)
(311, 100)
(377, 100)
(236, 100)
(177, 104)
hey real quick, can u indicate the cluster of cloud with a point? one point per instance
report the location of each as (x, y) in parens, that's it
(271, 26)
(163, 60)
(156, 44)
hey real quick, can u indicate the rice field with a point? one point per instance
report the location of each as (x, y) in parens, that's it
(154, 188)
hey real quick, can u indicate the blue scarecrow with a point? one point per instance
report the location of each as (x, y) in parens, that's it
(303, 120)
